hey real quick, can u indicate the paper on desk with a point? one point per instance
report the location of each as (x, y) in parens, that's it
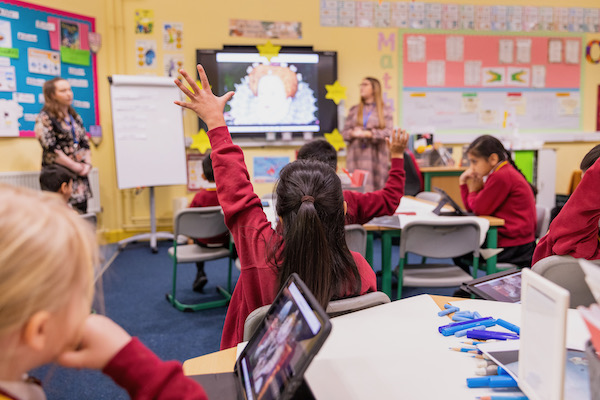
(577, 333)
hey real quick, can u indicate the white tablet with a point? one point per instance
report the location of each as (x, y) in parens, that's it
(542, 353)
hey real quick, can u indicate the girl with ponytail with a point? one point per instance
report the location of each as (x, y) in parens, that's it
(494, 186)
(309, 239)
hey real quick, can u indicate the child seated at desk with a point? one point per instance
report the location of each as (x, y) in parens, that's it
(47, 259)
(494, 186)
(206, 198)
(363, 207)
(574, 231)
(310, 239)
(57, 179)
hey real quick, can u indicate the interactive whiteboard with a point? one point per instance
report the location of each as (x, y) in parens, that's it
(148, 132)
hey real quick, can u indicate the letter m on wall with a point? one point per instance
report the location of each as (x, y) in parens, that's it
(389, 42)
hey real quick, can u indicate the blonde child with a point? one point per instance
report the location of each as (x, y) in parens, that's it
(47, 259)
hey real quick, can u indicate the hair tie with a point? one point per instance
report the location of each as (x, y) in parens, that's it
(307, 198)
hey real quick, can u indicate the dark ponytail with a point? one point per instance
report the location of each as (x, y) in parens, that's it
(311, 205)
(486, 145)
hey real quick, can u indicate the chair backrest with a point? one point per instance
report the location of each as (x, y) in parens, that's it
(543, 220)
(440, 239)
(356, 238)
(334, 309)
(429, 196)
(566, 272)
(200, 222)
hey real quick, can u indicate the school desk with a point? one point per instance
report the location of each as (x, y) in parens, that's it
(395, 351)
(445, 178)
(408, 204)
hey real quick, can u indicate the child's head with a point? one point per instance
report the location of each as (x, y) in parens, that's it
(312, 209)
(485, 153)
(58, 179)
(207, 169)
(590, 158)
(47, 254)
(319, 150)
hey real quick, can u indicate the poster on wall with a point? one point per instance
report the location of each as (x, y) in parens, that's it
(144, 21)
(265, 29)
(173, 36)
(37, 44)
(266, 169)
(145, 53)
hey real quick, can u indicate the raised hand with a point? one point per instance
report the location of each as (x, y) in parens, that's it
(202, 101)
(398, 142)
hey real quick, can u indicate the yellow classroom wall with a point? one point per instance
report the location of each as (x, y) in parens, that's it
(361, 52)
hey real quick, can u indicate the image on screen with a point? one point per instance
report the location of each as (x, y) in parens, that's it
(504, 288)
(278, 97)
(286, 338)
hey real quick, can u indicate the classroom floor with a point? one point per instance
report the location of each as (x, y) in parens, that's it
(133, 292)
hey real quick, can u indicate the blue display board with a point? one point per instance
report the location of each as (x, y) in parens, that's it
(37, 44)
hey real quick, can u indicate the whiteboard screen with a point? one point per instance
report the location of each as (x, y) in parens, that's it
(148, 132)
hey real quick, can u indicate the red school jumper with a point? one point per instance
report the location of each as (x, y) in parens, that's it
(253, 236)
(574, 231)
(506, 194)
(363, 207)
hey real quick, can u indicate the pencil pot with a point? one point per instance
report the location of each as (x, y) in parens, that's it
(594, 369)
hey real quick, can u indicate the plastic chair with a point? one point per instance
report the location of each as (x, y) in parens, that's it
(566, 272)
(429, 196)
(334, 309)
(200, 222)
(356, 238)
(437, 239)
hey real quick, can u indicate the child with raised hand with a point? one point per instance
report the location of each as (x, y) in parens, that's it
(47, 262)
(310, 239)
(494, 186)
(363, 207)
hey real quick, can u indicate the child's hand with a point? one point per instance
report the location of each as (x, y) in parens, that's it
(101, 340)
(398, 142)
(465, 176)
(475, 183)
(202, 101)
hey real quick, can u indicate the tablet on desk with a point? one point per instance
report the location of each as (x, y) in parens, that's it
(446, 199)
(501, 286)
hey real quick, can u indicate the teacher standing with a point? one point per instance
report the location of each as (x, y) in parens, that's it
(367, 126)
(62, 135)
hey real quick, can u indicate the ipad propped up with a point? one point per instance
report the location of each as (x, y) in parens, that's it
(542, 353)
(446, 199)
(273, 363)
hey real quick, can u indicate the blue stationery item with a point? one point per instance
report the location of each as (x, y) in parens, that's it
(493, 381)
(509, 326)
(503, 397)
(465, 314)
(448, 310)
(463, 323)
(459, 326)
(463, 332)
(485, 335)
(476, 315)
(458, 318)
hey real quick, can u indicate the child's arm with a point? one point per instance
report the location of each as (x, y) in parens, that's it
(574, 231)
(242, 207)
(362, 207)
(106, 346)
(489, 199)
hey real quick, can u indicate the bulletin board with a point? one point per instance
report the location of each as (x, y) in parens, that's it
(455, 82)
(37, 44)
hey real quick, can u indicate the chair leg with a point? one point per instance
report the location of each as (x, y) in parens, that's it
(401, 263)
(226, 294)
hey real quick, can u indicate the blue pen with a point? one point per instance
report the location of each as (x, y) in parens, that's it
(485, 335)
(459, 318)
(509, 326)
(476, 315)
(467, 325)
(502, 397)
(463, 323)
(465, 331)
(467, 314)
(494, 381)
(447, 311)
(447, 305)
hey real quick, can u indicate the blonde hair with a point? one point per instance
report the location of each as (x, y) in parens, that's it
(378, 103)
(46, 252)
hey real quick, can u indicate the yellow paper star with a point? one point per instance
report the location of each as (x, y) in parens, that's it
(335, 139)
(268, 50)
(200, 141)
(336, 92)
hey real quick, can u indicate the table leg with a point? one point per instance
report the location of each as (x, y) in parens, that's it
(369, 252)
(426, 181)
(492, 243)
(386, 263)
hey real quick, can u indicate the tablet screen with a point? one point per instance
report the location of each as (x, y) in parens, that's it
(504, 288)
